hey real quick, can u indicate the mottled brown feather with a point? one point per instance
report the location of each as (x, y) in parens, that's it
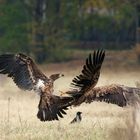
(21, 69)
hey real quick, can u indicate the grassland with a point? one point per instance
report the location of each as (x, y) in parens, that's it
(101, 121)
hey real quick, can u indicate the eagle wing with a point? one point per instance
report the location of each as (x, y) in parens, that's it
(53, 107)
(21, 69)
(114, 94)
(90, 72)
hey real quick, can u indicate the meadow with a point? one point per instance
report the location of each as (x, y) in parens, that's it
(100, 121)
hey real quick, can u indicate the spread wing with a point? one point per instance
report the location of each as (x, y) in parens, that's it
(90, 72)
(21, 69)
(111, 94)
(52, 107)
(115, 94)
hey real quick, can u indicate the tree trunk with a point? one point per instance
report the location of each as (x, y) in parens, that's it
(38, 34)
(138, 24)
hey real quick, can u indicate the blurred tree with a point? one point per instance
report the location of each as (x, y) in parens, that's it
(56, 32)
(136, 5)
(46, 27)
(37, 11)
(100, 15)
(13, 31)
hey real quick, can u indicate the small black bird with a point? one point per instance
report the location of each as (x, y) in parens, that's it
(78, 118)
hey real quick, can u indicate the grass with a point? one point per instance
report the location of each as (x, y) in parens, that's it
(21, 123)
(100, 121)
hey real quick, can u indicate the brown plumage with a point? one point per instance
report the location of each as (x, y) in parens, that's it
(85, 90)
(27, 76)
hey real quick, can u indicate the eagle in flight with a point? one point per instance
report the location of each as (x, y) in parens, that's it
(84, 89)
(27, 76)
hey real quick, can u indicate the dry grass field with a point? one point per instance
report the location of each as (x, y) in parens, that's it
(101, 121)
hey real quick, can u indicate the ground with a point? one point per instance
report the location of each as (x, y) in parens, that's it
(100, 121)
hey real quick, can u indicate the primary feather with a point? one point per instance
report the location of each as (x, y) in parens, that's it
(90, 72)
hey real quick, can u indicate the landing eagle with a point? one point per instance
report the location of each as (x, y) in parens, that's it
(27, 76)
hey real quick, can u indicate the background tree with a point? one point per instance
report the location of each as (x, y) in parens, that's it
(51, 30)
(13, 31)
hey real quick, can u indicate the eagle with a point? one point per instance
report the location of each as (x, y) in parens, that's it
(84, 85)
(27, 76)
(78, 118)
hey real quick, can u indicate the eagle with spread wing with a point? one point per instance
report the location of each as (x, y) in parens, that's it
(84, 89)
(27, 76)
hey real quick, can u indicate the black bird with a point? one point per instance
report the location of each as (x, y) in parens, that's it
(78, 118)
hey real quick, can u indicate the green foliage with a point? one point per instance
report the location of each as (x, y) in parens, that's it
(65, 22)
(82, 25)
(13, 37)
(55, 46)
(125, 12)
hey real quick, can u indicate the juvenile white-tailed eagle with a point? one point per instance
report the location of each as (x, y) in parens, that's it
(85, 90)
(27, 76)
